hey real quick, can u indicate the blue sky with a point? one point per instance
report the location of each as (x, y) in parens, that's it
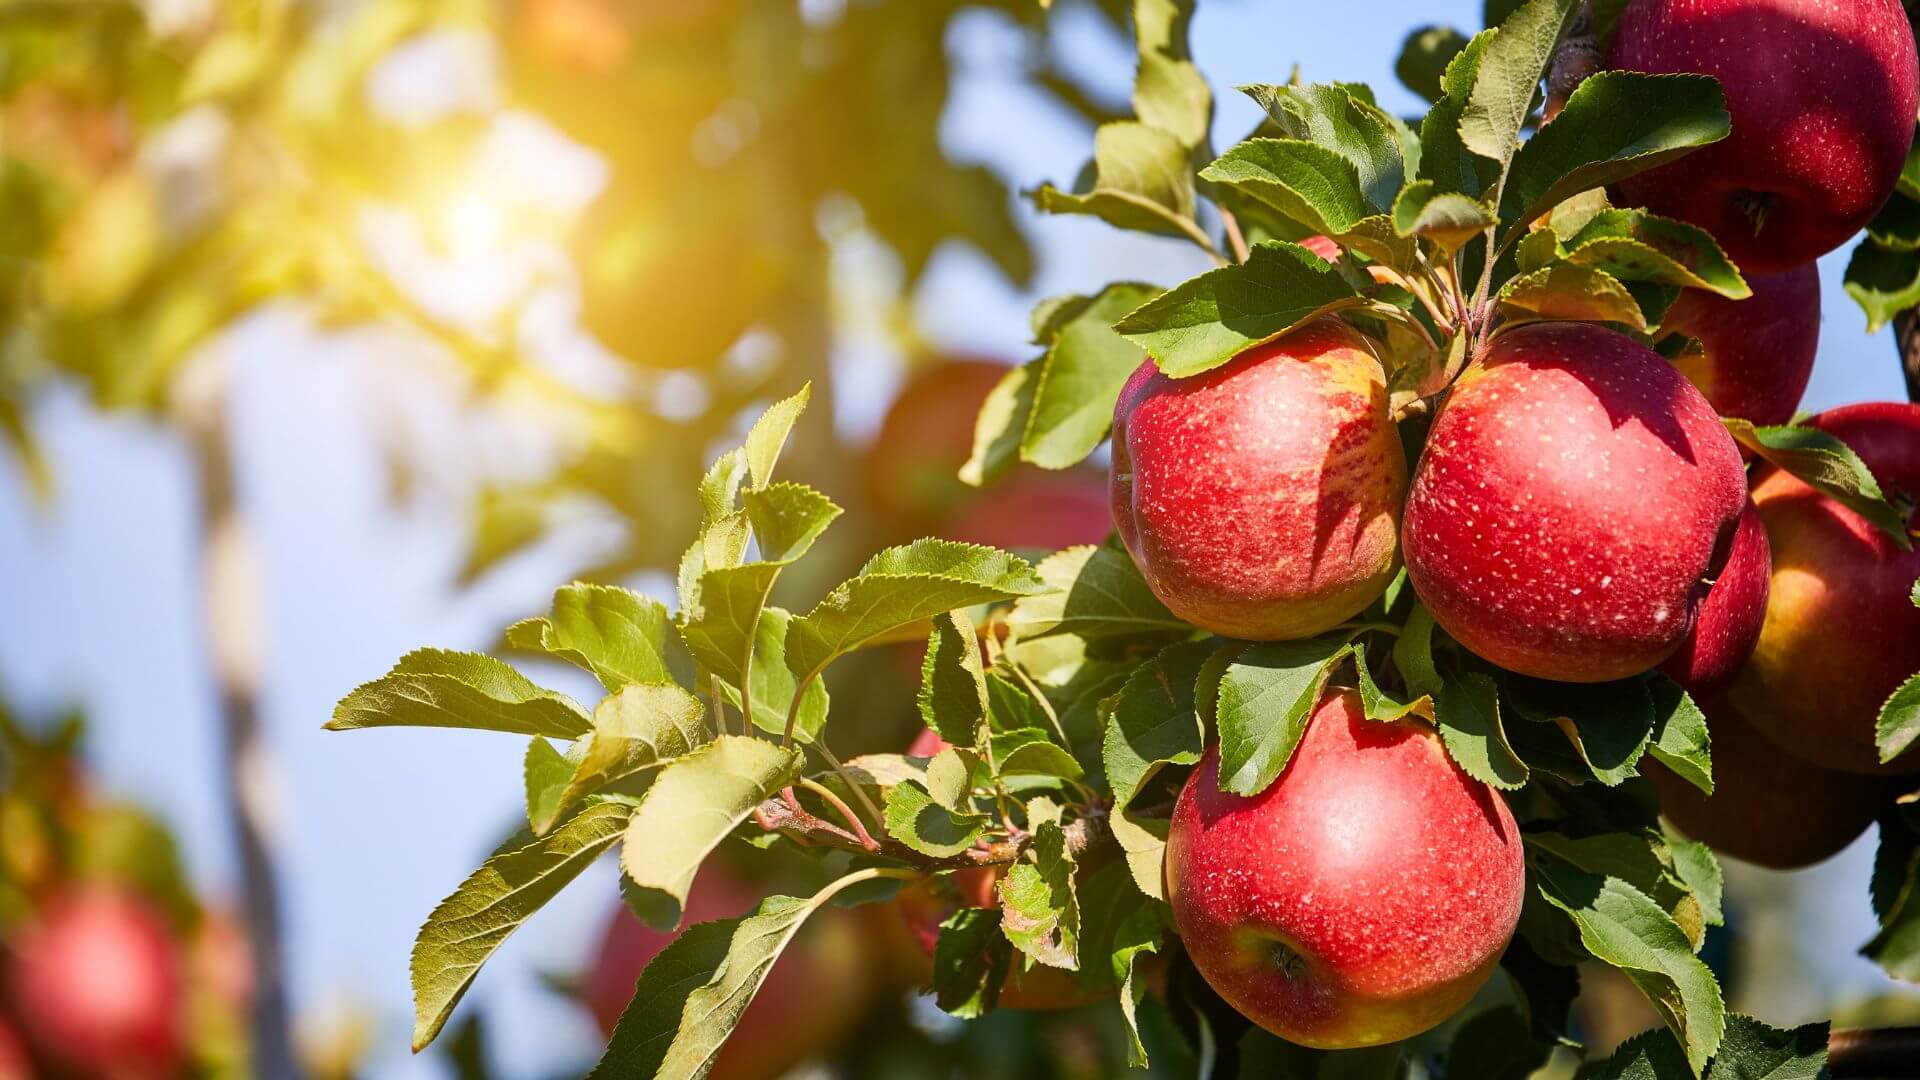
(100, 592)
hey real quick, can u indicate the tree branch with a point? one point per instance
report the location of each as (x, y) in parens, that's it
(774, 815)
(1884, 1053)
(1906, 339)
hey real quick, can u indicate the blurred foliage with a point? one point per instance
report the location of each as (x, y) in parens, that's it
(167, 169)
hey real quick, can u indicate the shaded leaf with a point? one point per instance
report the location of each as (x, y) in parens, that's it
(970, 962)
(1424, 57)
(1449, 219)
(1002, 423)
(1267, 694)
(1143, 181)
(1467, 710)
(916, 820)
(1153, 720)
(1827, 465)
(1039, 912)
(1098, 592)
(1899, 723)
(1633, 245)
(1884, 283)
(953, 680)
(1081, 378)
(1680, 738)
(1567, 291)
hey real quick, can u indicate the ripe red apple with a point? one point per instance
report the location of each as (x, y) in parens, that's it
(1575, 498)
(1768, 806)
(14, 1062)
(1363, 898)
(1841, 631)
(99, 986)
(811, 1000)
(1261, 500)
(1823, 97)
(912, 466)
(1322, 246)
(1728, 624)
(1758, 352)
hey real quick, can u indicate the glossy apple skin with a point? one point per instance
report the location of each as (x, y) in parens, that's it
(1261, 500)
(1363, 898)
(1768, 807)
(1841, 632)
(1758, 351)
(100, 986)
(811, 1000)
(1575, 495)
(1728, 624)
(1822, 97)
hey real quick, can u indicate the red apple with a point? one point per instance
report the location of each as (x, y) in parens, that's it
(1823, 97)
(1728, 624)
(1044, 512)
(1575, 498)
(99, 986)
(1757, 353)
(1361, 899)
(1322, 246)
(1841, 630)
(926, 744)
(1261, 500)
(912, 467)
(811, 1000)
(15, 1064)
(1768, 806)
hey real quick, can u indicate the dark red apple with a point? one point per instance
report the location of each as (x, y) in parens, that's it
(99, 986)
(15, 1064)
(1575, 498)
(1728, 624)
(1261, 500)
(1361, 899)
(811, 1000)
(1757, 353)
(1768, 806)
(1841, 631)
(1044, 512)
(912, 467)
(1823, 96)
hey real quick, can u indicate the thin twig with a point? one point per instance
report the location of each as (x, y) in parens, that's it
(846, 812)
(859, 793)
(1236, 240)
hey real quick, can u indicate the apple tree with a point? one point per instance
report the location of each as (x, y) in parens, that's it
(1472, 586)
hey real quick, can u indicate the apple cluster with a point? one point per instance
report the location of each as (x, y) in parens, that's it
(1578, 512)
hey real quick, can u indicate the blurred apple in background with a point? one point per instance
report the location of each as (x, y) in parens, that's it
(99, 986)
(811, 1001)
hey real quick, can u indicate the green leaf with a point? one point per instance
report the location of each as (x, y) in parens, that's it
(1467, 710)
(1002, 424)
(1039, 912)
(1413, 652)
(1080, 379)
(1570, 292)
(768, 436)
(970, 962)
(1424, 57)
(720, 486)
(1138, 935)
(1620, 926)
(1337, 118)
(1608, 724)
(618, 635)
(1144, 840)
(1143, 181)
(1508, 79)
(1379, 705)
(722, 611)
(1496, 1045)
(1267, 695)
(638, 728)
(1307, 182)
(489, 906)
(1153, 721)
(1633, 245)
(1899, 723)
(1444, 159)
(1698, 869)
(1751, 1050)
(1897, 227)
(916, 820)
(1680, 740)
(787, 518)
(1615, 124)
(950, 777)
(1098, 592)
(1208, 320)
(953, 680)
(1169, 93)
(774, 684)
(1449, 219)
(546, 772)
(899, 587)
(692, 806)
(1828, 466)
(1884, 283)
(1896, 899)
(1641, 859)
(441, 688)
(691, 996)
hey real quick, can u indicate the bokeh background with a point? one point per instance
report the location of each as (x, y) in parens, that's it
(434, 401)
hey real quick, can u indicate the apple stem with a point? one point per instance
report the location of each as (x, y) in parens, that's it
(846, 813)
(859, 795)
